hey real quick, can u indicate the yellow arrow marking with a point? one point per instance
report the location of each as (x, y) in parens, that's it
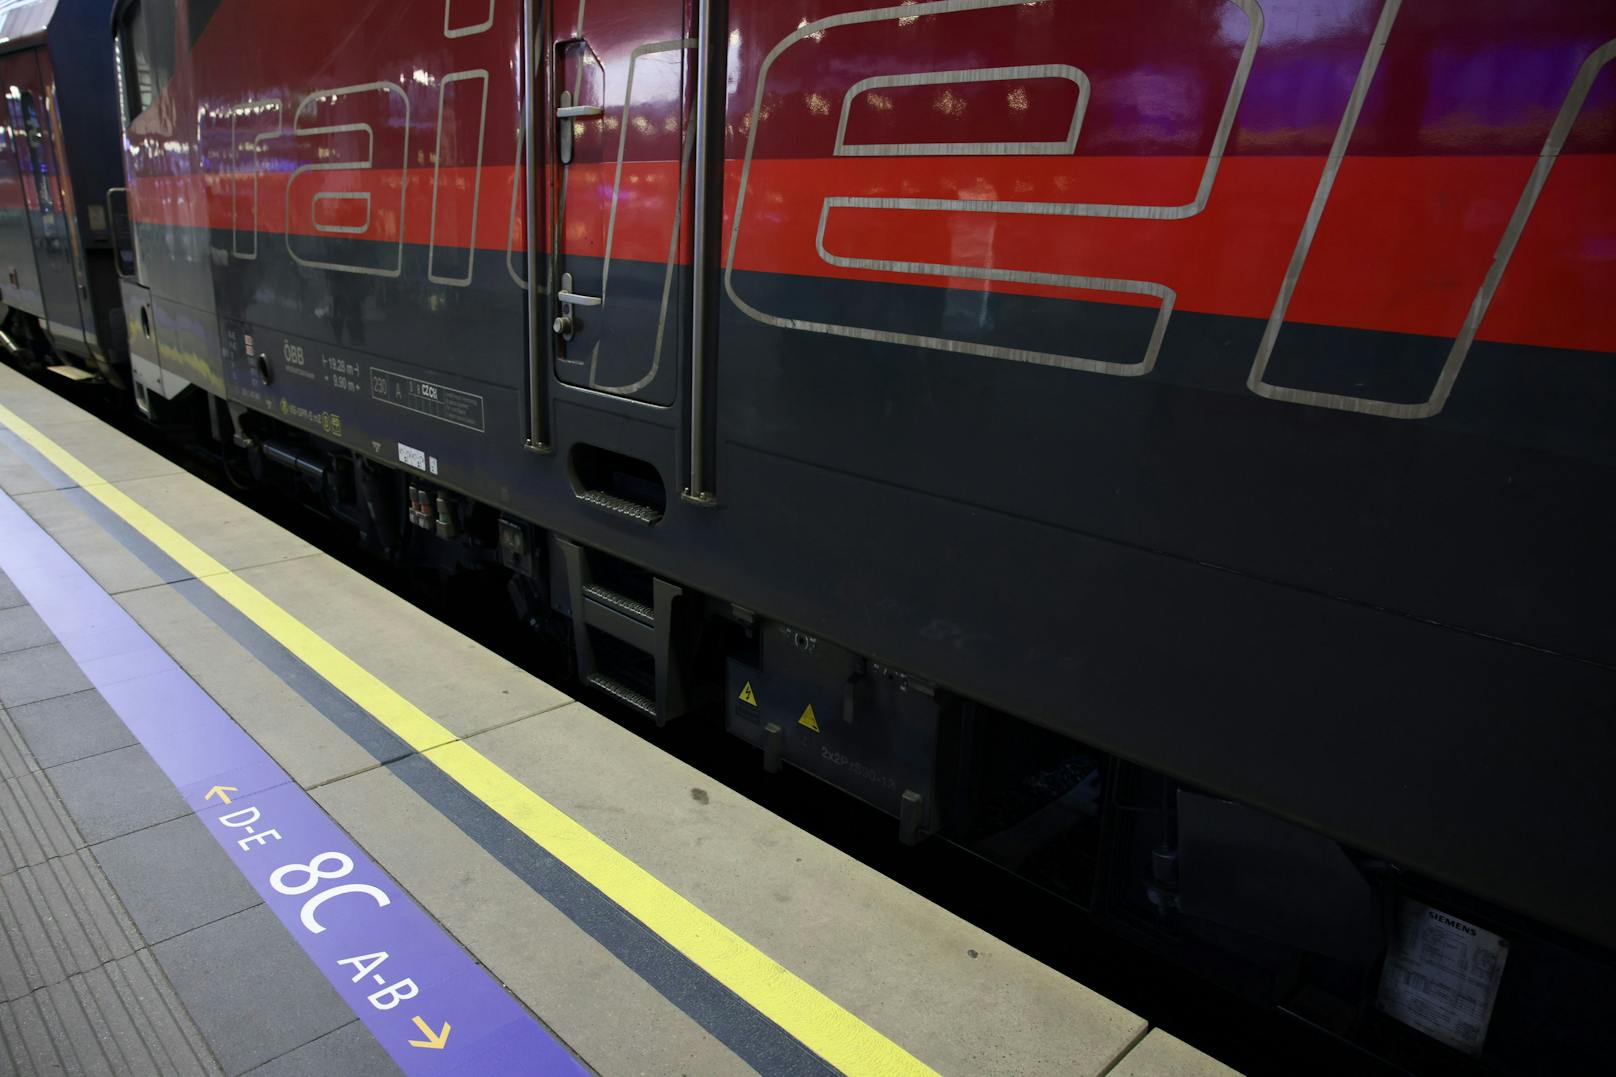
(746, 695)
(808, 718)
(222, 792)
(434, 1040)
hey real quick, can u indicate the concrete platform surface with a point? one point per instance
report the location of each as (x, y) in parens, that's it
(631, 912)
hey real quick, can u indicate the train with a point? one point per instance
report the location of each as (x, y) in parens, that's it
(1166, 448)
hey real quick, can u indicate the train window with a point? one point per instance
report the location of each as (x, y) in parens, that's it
(139, 86)
(21, 140)
(38, 161)
(123, 235)
(145, 52)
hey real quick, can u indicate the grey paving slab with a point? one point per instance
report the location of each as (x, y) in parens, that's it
(38, 673)
(21, 628)
(579, 987)
(302, 739)
(87, 897)
(1162, 1055)
(225, 529)
(119, 1020)
(18, 477)
(253, 993)
(954, 996)
(145, 1015)
(74, 1032)
(116, 793)
(34, 824)
(63, 515)
(25, 1034)
(65, 728)
(43, 953)
(59, 919)
(37, 405)
(454, 679)
(9, 595)
(174, 877)
(18, 971)
(15, 758)
(350, 1051)
(114, 456)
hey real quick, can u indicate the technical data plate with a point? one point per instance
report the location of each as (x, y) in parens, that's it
(434, 401)
(1441, 976)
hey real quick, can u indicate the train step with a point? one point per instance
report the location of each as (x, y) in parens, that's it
(72, 373)
(623, 604)
(638, 648)
(621, 506)
(624, 694)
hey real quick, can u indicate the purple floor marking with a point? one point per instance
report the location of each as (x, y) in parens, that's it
(386, 957)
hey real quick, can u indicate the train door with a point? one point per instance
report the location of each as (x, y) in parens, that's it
(620, 181)
(29, 115)
(140, 328)
(19, 277)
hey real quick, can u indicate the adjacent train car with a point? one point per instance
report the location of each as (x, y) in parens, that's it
(1164, 446)
(59, 298)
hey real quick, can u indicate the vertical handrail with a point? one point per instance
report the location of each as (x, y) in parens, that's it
(538, 367)
(697, 490)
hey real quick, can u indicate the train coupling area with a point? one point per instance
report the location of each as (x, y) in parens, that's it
(260, 815)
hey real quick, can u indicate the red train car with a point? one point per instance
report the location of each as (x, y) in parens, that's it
(1166, 446)
(59, 305)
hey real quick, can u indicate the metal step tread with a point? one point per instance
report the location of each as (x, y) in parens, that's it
(620, 603)
(72, 373)
(623, 693)
(620, 506)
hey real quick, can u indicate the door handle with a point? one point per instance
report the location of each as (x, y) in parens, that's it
(563, 326)
(566, 112)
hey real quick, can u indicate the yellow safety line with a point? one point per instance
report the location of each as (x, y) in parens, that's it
(822, 1026)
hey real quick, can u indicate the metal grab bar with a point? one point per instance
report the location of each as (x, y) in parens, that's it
(696, 491)
(537, 338)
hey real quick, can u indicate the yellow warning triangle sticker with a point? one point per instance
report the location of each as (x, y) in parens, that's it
(808, 719)
(746, 695)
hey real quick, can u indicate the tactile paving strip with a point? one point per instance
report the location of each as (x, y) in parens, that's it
(79, 991)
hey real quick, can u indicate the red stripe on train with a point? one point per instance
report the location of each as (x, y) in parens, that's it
(1403, 245)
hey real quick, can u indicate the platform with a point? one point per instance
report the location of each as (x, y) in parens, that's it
(261, 816)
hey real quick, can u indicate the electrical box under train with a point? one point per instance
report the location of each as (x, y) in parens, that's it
(862, 727)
